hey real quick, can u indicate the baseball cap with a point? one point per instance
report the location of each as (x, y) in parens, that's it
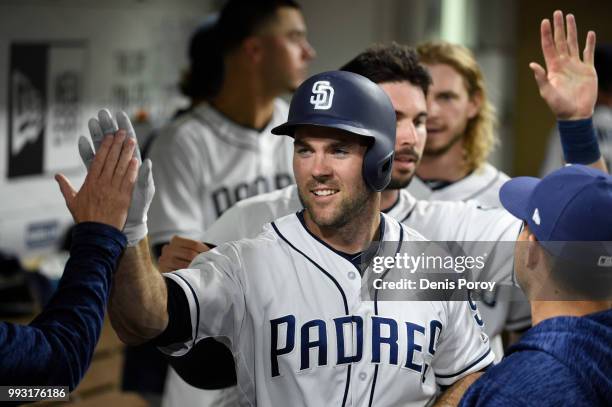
(571, 204)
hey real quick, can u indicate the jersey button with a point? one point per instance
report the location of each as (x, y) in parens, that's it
(363, 376)
(352, 275)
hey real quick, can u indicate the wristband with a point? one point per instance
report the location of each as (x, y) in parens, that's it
(580, 145)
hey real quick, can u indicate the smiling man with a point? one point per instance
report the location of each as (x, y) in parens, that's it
(288, 302)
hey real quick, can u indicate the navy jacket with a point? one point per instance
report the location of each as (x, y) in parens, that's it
(563, 361)
(57, 346)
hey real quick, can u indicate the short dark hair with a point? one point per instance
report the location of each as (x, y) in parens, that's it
(205, 75)
(577, 280)
(390, 63)
(219, 34)
(241, 18)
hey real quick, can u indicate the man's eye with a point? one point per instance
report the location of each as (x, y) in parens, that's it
(340, 151)
(296, 36)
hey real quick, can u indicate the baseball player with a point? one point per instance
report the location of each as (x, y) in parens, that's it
(442, 221)
(460, 129)
(288, 303)
(221, 152)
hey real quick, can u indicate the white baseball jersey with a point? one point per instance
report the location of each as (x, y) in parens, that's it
(290, 309)
(465, 222)
(203, 163)
(482, 185)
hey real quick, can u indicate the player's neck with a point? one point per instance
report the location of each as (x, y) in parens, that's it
(243, 100)
(449, 166)
(356, 235)
(542, 310)
(388, 198)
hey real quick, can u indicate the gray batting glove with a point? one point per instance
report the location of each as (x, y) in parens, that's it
(135, 227)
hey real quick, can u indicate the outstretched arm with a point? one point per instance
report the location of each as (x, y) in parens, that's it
(569, 86)
(138, 301)
(57, 347)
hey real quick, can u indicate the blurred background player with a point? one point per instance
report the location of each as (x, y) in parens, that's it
(460, 130)
(221, 150)
(265, 55)
(201, 81)
(602, 117)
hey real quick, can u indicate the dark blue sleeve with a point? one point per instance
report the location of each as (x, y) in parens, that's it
(579, 141)
(57, 347)
(488, 392)
(527, 378)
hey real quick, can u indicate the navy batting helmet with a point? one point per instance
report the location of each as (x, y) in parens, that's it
(349, 102)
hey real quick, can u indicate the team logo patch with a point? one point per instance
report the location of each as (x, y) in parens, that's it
(323, 95)
(536, 217)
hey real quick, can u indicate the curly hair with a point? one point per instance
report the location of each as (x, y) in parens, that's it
(390, 63)
(479, 138)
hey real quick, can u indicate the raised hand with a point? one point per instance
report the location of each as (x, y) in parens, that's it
(107, 190)
(136, 223)
(569, 84)
(179, 253)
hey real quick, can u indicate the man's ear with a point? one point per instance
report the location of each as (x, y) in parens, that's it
(474, 104)
(534, 252)
(253, 49)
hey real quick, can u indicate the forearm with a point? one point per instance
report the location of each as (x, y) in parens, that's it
(138, 301)
(57, 347)
(452, 395)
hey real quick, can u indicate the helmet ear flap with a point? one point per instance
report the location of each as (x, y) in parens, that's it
(377, 173)
(386, 167)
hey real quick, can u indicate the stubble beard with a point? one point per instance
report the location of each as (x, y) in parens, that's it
(348, 210)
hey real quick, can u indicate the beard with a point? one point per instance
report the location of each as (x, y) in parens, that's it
(347, 210)
(400, 183)
(438, 151)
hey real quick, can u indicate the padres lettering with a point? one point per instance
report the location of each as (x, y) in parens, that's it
(226, 196)
(323, 95)
(348, 348)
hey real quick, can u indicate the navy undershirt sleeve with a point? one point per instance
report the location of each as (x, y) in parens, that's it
(179, 319)
(57, 346)
(209, 364)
